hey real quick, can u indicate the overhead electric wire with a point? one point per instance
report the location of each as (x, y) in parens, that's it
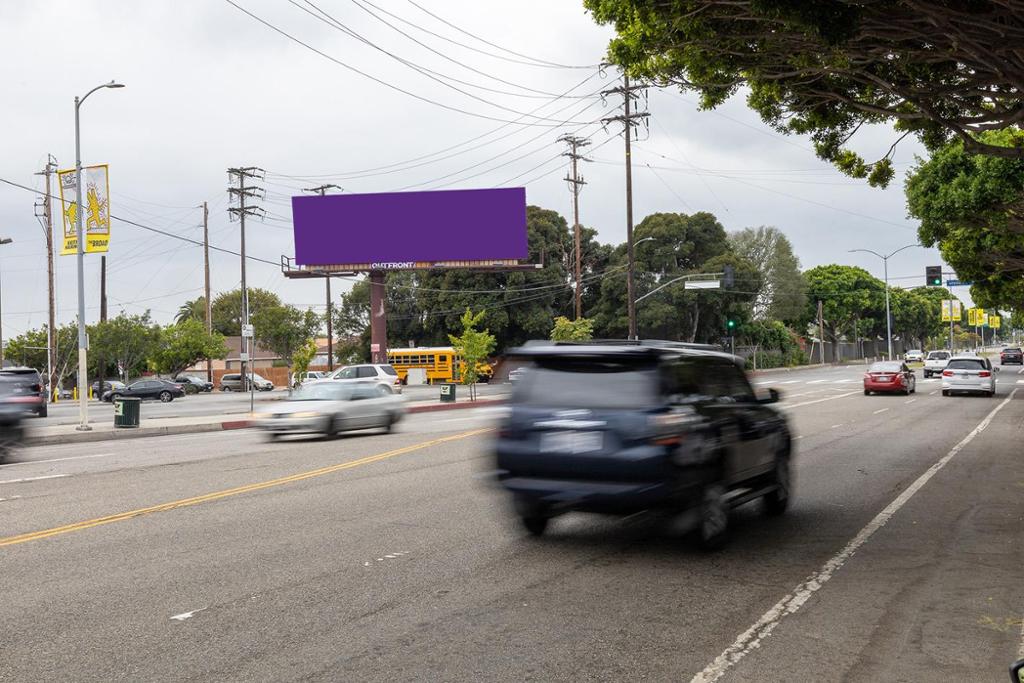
(501, 154)
(335, 23)
(380, 81)
(495, 45)
(416, 26)
(369, 171)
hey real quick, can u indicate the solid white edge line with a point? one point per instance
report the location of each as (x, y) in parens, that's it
(19, 481)
(39, 462)
(751, 638)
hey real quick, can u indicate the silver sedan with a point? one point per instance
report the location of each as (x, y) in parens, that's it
(330, 408)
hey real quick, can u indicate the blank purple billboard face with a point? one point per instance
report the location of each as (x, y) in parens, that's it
(407, 227)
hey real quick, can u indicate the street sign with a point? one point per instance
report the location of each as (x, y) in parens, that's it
(703, 284)
(374, 348)
(994, 321)
(958, 283)
(950, 310)
(244, 356)
(247, 331)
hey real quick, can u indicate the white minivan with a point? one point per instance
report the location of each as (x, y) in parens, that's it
(972, 374)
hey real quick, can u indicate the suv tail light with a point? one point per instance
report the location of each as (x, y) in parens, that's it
(984, 373)
(947, 373)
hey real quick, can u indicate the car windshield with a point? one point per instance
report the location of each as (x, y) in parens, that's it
(589, 383)
(965, 364)
(1011, 350)
(323, 391)
(885, 367)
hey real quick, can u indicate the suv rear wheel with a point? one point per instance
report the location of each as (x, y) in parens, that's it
(535, 525)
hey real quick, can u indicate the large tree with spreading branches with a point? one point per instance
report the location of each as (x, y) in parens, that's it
(939, 69)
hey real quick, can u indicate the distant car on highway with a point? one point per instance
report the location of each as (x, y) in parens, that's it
(935, 362)
(310, 376)
(331, 407)
(107, 385)
(234, 382)
(622, 428)
(27, 383)
(148, 389)
(914, 356)
(889, 377)
(194, 385)
(1011, 354)
(970, 374)
(380, 374)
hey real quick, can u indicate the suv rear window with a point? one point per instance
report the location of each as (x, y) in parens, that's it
(388, 370)
(603, 383)
(938, 355)
(966, 364)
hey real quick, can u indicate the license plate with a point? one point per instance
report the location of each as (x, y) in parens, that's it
(883, 378)
(571, 442)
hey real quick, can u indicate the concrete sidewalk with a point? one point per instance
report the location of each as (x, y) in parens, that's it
(168, 426)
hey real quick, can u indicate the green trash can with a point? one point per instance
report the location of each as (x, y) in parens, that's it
(126, 411)
(448, 393)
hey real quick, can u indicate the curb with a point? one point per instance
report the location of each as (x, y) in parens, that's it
(145, 432)
(139, 433)
(755, 373)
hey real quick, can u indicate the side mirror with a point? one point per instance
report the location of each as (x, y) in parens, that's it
(1017, 671)
(773, 397)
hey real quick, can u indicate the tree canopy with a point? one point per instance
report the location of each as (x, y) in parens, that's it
(227, 309)
(784, 294)
(853, 301)
(940, 70)
(972, 207)
(182, 344)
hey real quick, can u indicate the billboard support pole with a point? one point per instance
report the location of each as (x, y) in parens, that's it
(378, 319)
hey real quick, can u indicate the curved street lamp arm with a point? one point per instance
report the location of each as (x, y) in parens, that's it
(915, 244)
(868, 251)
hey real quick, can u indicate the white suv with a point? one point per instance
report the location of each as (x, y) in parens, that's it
(382, 375)
(914, 356)
(935, 362)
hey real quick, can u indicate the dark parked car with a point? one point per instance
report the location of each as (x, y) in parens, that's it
(193, 385)
(159, 389)
(29, 387)
(623, 428)
(12, 401)
(108, 385)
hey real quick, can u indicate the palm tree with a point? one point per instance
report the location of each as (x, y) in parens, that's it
(192, 310)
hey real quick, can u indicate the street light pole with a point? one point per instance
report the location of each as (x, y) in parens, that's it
(83, 385)
(885, 267)
(5, 240)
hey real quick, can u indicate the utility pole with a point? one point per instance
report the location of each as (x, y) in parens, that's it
(629, 120)
(206, 284)
(821, 333)
(576, 184)
(47, 225)
(322, 190)
(242, 193)
(103, 289)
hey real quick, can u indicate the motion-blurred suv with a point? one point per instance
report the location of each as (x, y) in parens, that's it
(628, 427)
(1010, 355)
(28, 386)
(381, 374)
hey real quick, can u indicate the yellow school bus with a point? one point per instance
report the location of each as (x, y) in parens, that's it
(440, 362)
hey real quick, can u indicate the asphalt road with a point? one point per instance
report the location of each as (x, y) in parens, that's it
(231, 403)
(390, 558)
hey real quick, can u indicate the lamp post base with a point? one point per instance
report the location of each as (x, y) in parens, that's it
(83, 428)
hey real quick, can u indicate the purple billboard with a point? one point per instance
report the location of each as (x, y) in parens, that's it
(408, 229)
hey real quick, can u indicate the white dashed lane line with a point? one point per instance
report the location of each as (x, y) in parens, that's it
(27, 479)
(880, 410)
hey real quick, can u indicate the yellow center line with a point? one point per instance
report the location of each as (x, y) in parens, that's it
(226, 493)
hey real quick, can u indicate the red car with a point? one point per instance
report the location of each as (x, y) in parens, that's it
(888, 377)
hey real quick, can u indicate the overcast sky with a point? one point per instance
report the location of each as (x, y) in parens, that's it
(209, 87)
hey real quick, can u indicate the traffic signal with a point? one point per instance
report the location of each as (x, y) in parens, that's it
(933, 276)
(730, 324)
(728, 276)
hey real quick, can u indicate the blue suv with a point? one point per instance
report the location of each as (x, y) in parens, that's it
(635, 426)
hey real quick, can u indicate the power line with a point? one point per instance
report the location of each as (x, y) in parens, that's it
(368, 172)
(495, 45)
(380, 81)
